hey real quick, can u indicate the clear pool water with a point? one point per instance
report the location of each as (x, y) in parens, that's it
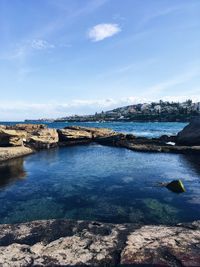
(99, 183)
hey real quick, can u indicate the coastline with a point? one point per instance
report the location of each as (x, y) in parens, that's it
(60, 242)
(25, 139)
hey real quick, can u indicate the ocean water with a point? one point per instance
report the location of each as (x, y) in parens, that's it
(146, 129)
(94, 182)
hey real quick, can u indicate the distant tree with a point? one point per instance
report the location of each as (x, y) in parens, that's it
(189, 102)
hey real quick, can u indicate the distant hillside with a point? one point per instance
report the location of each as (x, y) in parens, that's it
(155, 111)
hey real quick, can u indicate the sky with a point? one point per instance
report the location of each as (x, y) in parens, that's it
(64, 57)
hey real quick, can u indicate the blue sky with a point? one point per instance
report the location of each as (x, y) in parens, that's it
(61, 57)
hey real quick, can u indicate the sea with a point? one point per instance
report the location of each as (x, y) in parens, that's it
(102, 183)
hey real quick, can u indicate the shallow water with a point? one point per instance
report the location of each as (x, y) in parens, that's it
(99, 183)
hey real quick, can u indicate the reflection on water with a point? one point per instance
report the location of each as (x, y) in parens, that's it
(12, 171)
(99, 183)
(193, 160)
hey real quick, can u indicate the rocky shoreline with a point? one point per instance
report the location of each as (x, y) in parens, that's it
(82, 243)
(23, 139)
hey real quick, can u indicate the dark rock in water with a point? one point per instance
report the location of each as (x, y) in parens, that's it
(190, 135)
(166, 138)
(176, 186)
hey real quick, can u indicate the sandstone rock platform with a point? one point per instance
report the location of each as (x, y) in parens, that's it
(82, 243)
(7, 153)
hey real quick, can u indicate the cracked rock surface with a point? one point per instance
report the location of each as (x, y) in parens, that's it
(72, 243)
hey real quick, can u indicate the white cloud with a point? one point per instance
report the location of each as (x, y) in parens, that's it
(24, 110)
(101, 31)
(40, 44)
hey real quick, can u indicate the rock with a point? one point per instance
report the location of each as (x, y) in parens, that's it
(71, 243)
(166, 138)
(29, 128)
(43, 138)
(163, 246)
(69, 136)
(76, 134)
(62, 243)
(38, 136)
(7, 153)
(176, 186)
(190, 135)
(11, 137)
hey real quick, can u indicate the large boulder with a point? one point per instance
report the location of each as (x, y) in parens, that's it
(190, 135)
(74, 136)
(95, 132)
(11, 137)
(37, 135)
(77, 135)
(43, 138)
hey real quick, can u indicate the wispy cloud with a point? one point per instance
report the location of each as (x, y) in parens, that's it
(132, 67)
(40, 44)
(163, 12)
(102, 31)
(24, 110)
(179, 79)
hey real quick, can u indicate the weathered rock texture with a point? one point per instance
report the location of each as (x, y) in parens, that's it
(38, 136)
(69, 243)
(164, 246)
(7, 153)
(43, 138)
(77, 135)
(34, 135)
(11, 137)
(190, 135)
(155, 145)
(29, 128)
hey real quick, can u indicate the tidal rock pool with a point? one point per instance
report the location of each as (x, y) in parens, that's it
(101, 183)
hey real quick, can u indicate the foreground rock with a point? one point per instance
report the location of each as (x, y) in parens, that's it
(7, 153)
(190, 135)
(66, 242)
(164, 246)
